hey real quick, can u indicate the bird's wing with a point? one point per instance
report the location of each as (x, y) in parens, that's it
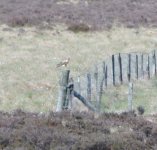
(65, 62)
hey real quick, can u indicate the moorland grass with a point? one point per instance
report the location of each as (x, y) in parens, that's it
(29, 77)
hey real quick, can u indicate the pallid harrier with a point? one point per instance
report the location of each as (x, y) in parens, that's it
(63, 63)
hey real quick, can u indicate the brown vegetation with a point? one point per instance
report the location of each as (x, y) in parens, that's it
(95, 13)
(84, 131)
(21, 130)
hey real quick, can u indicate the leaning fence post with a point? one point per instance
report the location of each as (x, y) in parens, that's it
(63, 82)
(130, 96)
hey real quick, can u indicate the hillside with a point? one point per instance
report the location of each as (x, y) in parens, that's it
(36, 35)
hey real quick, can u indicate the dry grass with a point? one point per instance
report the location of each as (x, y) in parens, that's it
(29, 56)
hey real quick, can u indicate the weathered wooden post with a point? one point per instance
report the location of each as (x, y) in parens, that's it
(79, 85)
(130, 96)
(70, 93)
(129, 67)
(154, 63)
(101, 85)
(120, 69)
(142, 69)
(148, 67)
(136, 67)
(106, 75)
(63, 83)
(84, 101)
(113, 69)
(89, 88)
(103, 79)
(96, 86)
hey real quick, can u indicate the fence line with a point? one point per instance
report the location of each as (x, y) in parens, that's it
(118, 69)
(130, 97)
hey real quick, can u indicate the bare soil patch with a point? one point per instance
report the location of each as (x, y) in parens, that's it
(21, 130)
(93, 14)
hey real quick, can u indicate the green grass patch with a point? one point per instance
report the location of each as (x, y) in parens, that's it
(115, 99)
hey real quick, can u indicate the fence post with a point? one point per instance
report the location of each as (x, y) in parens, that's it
(101, 86)
(70, 93)
(130, 96)
(136, 68)
(120, 68)
(113, 69)
(129, 67)
(63, 82)
(79, 84)
(148, 67)
(84, 101)
(154, 63)
(97, 86)
(104, 71)
(142, 71)
(89, 86)
(106, 74)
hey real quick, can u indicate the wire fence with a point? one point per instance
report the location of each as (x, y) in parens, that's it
(144, 96)
(119, 69)
(117, 84)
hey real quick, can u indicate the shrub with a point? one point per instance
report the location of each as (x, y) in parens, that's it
(140, 110)
(81, 27)
(18, 21)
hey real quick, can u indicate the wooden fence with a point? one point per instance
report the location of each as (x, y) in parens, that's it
(118, 69)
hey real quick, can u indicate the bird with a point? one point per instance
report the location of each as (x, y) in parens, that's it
(63, 63)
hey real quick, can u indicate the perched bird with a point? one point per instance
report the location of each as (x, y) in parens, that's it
(63, 63)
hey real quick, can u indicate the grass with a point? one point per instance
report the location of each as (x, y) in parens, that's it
(144, 94)
(115, 99)
(29, 78)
